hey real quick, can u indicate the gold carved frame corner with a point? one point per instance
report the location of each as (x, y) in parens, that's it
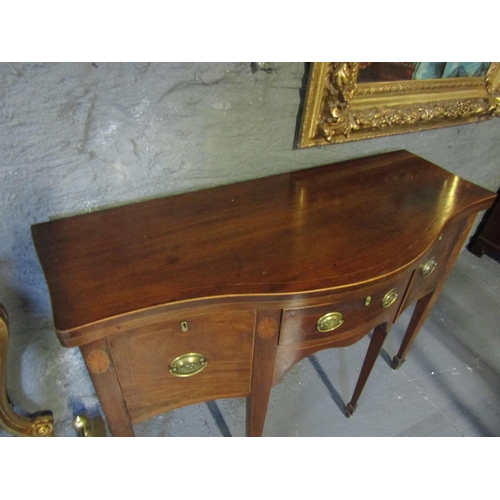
(339, 109)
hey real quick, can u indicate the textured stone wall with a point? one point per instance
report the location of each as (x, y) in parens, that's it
(77, 137)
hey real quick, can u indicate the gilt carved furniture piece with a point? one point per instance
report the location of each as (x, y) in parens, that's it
(40, 424)
(218, 293)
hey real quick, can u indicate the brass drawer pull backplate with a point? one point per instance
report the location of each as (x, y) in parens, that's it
(329, 322)
(188, 364)
(389, 298)
(429, 268)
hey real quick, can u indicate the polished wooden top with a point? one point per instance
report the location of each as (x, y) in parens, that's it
(319, 228)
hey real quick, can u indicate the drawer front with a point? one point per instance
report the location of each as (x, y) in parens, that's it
(342, 318)
(435, 263)
(173, 364)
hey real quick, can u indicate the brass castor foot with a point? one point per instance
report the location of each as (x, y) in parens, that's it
(396, 362)
(86, 426)
(350, 409)
(81, 425)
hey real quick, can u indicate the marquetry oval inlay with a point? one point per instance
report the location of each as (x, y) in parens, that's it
(98, 361)
(267, 328)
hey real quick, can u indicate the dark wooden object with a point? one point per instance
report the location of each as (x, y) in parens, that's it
(487, 237)
(244, 279)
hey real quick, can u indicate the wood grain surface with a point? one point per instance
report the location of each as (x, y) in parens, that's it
(319, 228)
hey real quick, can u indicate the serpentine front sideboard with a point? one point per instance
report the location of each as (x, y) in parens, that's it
(218, 293)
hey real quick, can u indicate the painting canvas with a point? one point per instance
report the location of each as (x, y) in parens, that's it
(393, 71)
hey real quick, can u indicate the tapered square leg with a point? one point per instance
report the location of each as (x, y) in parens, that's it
(422, 309)
(102, 372)
(376, 342)
(265, 345)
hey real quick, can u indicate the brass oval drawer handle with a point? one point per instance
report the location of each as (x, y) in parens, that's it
(188, 364)
(389, 298)
(329, 322)
(428, 268)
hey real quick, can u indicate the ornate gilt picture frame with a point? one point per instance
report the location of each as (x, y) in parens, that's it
(343, 104)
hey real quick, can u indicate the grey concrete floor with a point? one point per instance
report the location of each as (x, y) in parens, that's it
(448, 386)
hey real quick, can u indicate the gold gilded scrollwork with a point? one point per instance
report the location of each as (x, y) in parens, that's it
(41, 425)
(339, 109)
(493, 87)
(414, 114)
(336, 117)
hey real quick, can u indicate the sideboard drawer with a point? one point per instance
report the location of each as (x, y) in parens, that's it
(171, 364)
(343, 318)
(434, 263)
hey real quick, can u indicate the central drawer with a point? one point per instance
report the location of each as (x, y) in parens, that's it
(348, 314)
(174, 363)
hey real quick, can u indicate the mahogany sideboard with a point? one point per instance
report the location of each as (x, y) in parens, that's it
(218, 293)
